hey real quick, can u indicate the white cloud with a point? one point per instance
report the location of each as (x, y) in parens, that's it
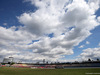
(11, 41)
(99, 44)
(5, 24)
(51, 17)
(98, 18)
(87, 42)
(94, 4)
(82, 46)
(92, 53)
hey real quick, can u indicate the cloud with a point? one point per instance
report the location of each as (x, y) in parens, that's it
(82, 46)
(92, 53)
(94, 4)
(87, 42)
(11, 41)
(99, 44)
(69, 21)
(98, 18)
(5, 24)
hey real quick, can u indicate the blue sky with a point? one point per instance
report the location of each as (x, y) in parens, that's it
(33, 29)
(11, 9)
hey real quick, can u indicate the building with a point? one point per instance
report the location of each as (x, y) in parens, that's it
(8, 60)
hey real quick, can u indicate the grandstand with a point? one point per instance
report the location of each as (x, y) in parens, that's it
(50, 65)
(21, 65)
(8, 60)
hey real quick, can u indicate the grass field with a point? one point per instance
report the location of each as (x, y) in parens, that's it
(28, 71)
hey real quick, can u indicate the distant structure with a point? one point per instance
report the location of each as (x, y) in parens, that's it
(8, 60)
(0, 65)
(43, 61)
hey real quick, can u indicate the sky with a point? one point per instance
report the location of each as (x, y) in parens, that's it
(54, 30)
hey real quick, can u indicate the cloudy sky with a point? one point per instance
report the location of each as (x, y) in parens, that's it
(54, 30)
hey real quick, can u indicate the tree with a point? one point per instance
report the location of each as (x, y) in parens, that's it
(97, 59)
(89, 60)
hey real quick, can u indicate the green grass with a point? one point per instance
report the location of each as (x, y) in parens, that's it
(28, 71)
